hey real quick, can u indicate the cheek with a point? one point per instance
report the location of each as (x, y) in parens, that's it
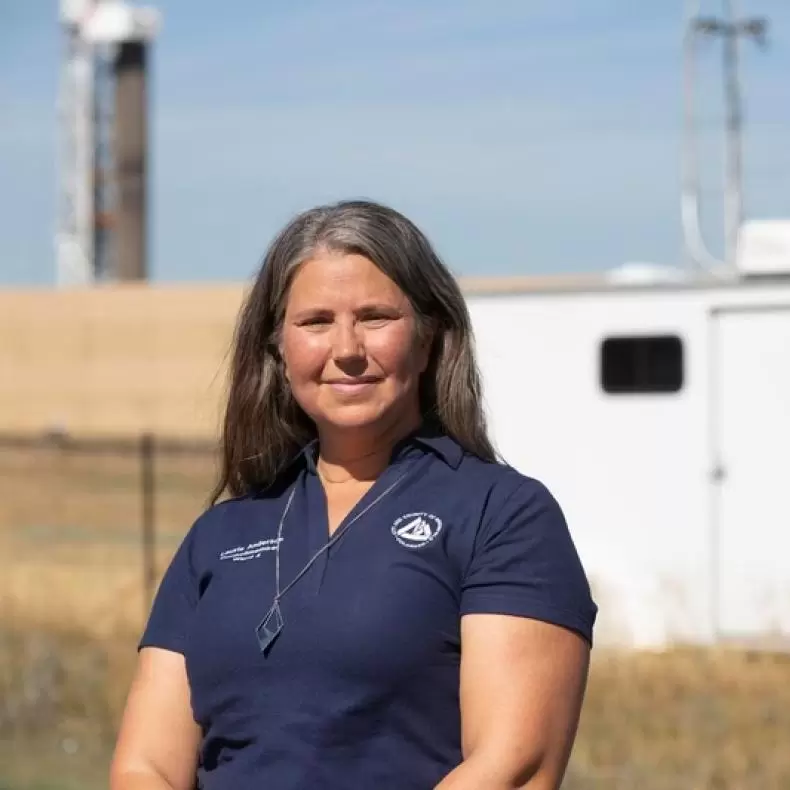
(303, 356)
(398, 353)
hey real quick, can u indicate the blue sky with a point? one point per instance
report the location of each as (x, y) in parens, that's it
(524, 136)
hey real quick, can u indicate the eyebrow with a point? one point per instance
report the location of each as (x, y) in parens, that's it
(372, 307)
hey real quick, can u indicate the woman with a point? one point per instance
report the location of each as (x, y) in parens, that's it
(381, 603)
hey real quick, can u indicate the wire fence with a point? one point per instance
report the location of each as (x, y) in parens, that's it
(86, 530)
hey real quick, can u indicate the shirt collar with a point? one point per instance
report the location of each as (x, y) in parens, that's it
(426, 437)
(436, 441)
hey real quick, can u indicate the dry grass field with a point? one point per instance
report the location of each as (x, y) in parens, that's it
(72, 603)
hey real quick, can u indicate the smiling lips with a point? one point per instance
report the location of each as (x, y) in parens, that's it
(353, 386)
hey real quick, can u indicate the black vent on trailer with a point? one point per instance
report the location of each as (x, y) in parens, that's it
(642, 364)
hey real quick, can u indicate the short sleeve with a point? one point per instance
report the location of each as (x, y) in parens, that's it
(175, 601)
(525, 563)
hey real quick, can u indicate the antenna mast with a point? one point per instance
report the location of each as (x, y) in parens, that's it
(730, 29)
(101, 141)
(74, 240)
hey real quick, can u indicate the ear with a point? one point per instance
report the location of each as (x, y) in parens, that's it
(425, 343)
(283, 363)
(276, 351)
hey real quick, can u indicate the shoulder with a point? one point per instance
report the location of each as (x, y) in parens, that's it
(480, 493)
(228, 526)
(222, 514)
(502, 485)
(524, 561)
(497, 503)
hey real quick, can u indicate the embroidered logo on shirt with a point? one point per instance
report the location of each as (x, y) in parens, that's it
(249, 552)
(415, 530)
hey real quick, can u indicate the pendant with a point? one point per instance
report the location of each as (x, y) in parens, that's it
(269, 628)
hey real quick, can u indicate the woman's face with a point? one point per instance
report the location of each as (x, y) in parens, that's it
(350, 345)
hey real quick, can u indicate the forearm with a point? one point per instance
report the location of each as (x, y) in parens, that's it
(476, 772)
(138, 780)
(470, 776)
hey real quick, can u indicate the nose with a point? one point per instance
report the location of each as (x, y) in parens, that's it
(347, 345)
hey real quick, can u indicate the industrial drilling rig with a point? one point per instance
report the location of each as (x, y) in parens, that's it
(103, 117)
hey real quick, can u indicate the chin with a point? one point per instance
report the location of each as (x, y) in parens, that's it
(352, 416)
(352, 419)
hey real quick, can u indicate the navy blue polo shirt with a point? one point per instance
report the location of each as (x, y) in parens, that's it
(361, 688)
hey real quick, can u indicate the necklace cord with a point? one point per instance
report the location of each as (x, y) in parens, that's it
(331, 542)
(267, 634)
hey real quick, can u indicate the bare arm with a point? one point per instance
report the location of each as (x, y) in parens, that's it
(158, 742)
(522, 685)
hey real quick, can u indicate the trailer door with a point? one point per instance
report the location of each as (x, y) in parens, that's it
(751, 474)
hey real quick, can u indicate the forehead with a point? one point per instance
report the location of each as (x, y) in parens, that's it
(342, 278)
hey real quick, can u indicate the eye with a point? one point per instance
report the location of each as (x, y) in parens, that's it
(377, 318)
(315, 321)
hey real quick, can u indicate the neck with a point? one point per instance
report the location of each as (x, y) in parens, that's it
(359, 457)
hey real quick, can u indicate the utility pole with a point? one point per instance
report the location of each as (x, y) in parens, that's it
(131, 136)
(731, 29)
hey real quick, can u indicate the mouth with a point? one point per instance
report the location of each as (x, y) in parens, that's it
(350, 386)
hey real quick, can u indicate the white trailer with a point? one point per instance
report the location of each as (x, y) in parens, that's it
(658, 412)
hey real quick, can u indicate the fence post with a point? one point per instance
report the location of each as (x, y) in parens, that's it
(148, 490)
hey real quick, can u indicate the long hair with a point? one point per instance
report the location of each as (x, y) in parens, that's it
(264, 428)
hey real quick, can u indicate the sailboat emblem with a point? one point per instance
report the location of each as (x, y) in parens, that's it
(415, 530)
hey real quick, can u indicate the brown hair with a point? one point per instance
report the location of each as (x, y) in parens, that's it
(264, 428)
